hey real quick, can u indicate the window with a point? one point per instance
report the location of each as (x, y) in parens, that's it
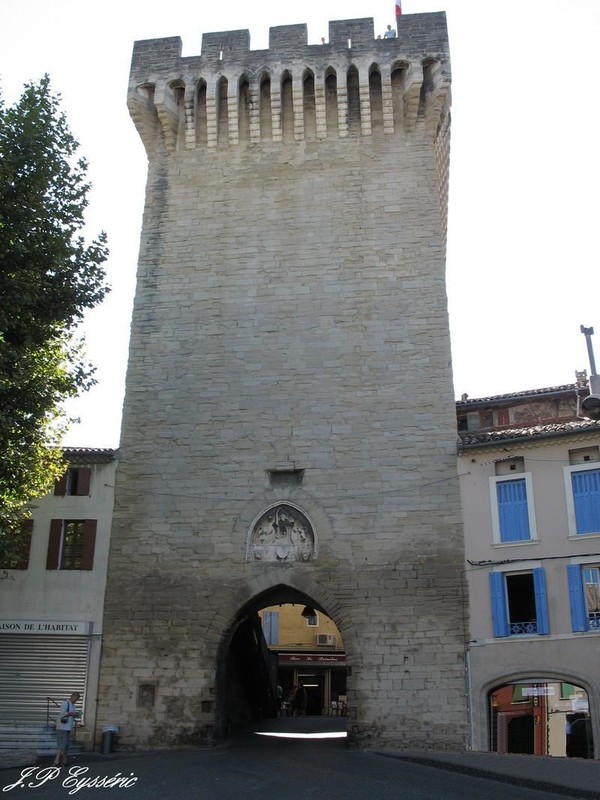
(71, 544)
(519, 605)
(503, 416)
(584, 594)
(582, 455)
(486, 419)
(270, 624)
(513, 517)
(582, 486)
(313, 620)
(75, 481)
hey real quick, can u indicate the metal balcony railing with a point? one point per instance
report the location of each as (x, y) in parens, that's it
(523, 628)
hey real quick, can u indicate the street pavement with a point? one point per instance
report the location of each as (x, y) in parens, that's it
(294, 765)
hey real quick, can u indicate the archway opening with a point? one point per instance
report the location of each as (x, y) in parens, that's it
(282, 669)
(541, 717)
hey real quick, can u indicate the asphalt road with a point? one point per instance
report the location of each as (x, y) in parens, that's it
(254, 767)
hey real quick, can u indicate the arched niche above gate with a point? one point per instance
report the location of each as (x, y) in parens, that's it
(282, 534)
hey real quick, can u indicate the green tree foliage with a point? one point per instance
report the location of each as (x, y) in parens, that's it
(49, 277)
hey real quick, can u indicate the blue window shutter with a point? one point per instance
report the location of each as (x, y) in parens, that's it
(577, 598)
(586, 498)
(498, 597)
(512, 510)
(266, 623)
(541, 600)
(270, 622)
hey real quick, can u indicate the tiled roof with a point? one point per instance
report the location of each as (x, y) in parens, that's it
(519, 433)
(89, 455)
(505, 398)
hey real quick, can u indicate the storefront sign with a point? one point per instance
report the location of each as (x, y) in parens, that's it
(45, 626)
(311, 658)
(537, 691)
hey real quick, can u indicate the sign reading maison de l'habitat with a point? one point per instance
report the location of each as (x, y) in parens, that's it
(44, 626)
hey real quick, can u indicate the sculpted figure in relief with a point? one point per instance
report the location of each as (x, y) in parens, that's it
(282, 534)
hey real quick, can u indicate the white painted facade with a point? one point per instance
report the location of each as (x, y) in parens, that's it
(52, 611)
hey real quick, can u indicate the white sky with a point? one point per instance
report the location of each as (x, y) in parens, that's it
(525, 169)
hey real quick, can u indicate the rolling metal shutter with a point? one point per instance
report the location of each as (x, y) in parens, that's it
(33, 668)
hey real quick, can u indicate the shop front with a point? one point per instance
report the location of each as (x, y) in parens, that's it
(321, 675)
(41, 663)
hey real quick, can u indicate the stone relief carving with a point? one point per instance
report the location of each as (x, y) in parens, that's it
(282, 534)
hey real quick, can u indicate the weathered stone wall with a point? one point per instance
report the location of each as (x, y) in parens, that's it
(290, 314)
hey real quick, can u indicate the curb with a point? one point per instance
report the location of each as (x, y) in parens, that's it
(501, 777)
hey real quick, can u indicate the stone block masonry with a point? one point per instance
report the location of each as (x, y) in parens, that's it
(290, 310)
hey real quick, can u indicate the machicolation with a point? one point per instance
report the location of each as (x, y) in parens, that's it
(352, 85)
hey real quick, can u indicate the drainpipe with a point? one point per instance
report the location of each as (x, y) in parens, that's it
(470, 700)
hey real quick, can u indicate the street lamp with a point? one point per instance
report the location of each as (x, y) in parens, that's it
(590, 406)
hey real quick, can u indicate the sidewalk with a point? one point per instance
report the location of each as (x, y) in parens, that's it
(569, 777)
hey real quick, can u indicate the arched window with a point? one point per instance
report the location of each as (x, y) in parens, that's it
(222, 111)
(428, 83)
(201, 125)
(287, 107)
(398, 73)
(178, 90)
(353, 101)
(331, 103)
(309, 108)
(375, 99)
(244, 110)
(266, 121)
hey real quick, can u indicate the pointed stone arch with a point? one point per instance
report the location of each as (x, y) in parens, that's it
(353, 91)
(309, 104)
(201, 113)
(376, 97)
(331, 102)
(282, 533)
(264, 588)
(244, 107)
(252, 593)
(222, 102)
(287, 106)
(265, 109)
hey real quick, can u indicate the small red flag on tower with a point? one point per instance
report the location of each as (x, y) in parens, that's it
(398, 8)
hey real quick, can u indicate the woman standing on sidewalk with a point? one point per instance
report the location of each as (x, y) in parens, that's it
(65, 723)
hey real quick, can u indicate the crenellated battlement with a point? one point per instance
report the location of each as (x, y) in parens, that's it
(352, 85)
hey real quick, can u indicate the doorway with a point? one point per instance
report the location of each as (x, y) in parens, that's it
(279, 639)
(541, 717)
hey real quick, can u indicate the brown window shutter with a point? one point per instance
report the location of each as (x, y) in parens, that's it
(503, 417)
(89, 544)
(60, 485)
(54, 543)
(26, 532)
(83, 480)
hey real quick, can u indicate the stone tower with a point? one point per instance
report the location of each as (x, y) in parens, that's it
(289, 428)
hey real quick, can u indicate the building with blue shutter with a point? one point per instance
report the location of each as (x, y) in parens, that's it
(529, 469)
